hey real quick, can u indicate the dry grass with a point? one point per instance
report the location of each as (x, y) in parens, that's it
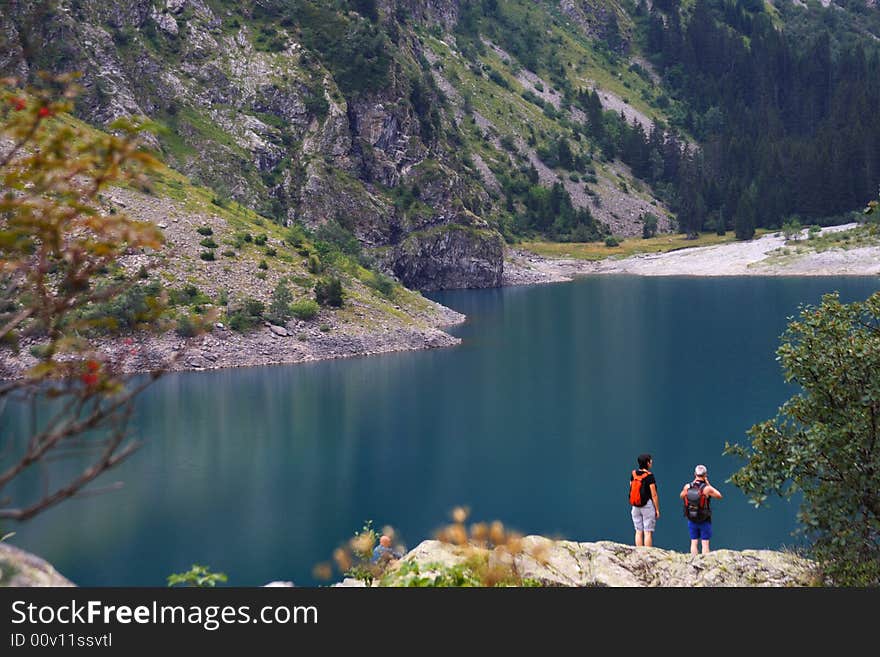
(627, 247)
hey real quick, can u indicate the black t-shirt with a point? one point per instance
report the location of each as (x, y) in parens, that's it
(646, 485)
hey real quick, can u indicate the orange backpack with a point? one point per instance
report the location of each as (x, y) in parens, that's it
(635, 488)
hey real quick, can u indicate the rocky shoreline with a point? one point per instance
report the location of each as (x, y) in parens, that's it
(328, 337)
(764, 256)
(295, 342)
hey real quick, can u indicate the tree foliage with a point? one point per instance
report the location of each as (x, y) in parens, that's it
(825, 441)
(59, 244)
(198, 576)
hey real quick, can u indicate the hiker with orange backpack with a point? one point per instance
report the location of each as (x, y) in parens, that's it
(696, 495)
(644, 501)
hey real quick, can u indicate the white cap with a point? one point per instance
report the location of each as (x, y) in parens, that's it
(700, 471)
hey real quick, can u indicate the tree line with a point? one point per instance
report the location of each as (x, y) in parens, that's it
(787, 124)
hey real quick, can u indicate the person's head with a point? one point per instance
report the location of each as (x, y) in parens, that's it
(645, 461)
(700, 472)
(385, 541)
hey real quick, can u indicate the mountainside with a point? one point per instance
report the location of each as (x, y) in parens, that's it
(431, 131)
(362, 121)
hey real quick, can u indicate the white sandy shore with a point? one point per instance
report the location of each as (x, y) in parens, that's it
(752, 258)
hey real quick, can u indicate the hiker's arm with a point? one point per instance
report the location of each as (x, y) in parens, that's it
(713, 492)
(656, 500)
(683, 492)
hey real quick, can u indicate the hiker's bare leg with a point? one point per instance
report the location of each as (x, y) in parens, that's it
(694, 543)
(640, 538)
(649, 539)
(705, 547)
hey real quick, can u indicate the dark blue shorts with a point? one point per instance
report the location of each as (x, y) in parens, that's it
(699, 530)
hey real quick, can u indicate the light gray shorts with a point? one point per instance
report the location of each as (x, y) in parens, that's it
(644, 519)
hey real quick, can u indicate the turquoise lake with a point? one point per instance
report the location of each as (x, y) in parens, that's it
(535, 420)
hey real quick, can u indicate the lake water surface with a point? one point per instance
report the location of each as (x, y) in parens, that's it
(536, 420)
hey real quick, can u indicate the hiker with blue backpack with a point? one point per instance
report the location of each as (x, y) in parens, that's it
(697, 496)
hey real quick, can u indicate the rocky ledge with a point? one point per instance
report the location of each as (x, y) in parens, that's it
(540, 561)
(20, 568)
(604, 563)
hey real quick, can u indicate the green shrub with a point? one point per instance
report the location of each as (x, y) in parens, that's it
(271, 252)
(245, 316)
(263, 265)
(260, 240)
(328, 291)
(279, 309)
(338, 237)
(186, 327)
(305, 310)
(382, 284)
(229, 253)
(207, 255)
(204, 230)
(295, 235)
(243, 238)
(208, 243)
(315, 266)
(612, 241)
(197, 576)
(124, 312)
(186, 296)
(649, 225)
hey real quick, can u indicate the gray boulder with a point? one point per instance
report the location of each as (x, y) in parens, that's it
(20, 568)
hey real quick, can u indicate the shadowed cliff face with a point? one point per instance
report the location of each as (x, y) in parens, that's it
(264, 107)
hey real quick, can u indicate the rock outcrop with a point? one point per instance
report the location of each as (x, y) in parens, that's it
(451, 256)
(541, 561)
(605, 563)
(20, 568)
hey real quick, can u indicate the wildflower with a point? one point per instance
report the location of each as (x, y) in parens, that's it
(460, 514)
(322, 571)
(342, 559)
(496, 533)
(18, 103)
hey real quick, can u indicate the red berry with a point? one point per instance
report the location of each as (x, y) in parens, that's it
(89, 379)
(18, 103)
(44, 112)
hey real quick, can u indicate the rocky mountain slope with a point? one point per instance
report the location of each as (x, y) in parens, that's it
(381, 119)
(222, 260)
